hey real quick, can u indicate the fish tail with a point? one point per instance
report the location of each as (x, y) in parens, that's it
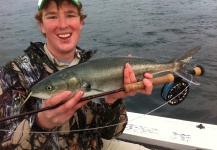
(181, 62)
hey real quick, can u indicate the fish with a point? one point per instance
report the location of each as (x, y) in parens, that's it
(102, 75)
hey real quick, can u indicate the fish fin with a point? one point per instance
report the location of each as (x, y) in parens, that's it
(186, 76)
(87, 87)
(99, 54)
(180, 64)
(186, 57)
(97, 100)
(101, 91)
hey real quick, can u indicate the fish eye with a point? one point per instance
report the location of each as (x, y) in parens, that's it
(49, 88)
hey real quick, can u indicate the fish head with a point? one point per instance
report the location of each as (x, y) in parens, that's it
(56, 84)
(48, 87)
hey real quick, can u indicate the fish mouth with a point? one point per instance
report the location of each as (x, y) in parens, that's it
(40, 95)
(64, 36)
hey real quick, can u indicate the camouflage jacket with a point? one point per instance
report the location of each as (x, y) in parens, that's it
(83, 130)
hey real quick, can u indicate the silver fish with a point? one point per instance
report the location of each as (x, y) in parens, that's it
(106, 74)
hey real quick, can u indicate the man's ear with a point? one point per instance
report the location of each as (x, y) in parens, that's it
(82, 24)
(41, 25)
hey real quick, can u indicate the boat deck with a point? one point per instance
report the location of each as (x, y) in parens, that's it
(165, 133)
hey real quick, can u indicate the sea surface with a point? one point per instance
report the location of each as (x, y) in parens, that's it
(153, 29)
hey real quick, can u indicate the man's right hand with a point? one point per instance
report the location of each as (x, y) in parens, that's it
(59, 116)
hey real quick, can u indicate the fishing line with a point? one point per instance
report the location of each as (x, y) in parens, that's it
(90, 128)
(143, 115)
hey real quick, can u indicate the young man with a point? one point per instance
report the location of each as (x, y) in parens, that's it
(73, 125)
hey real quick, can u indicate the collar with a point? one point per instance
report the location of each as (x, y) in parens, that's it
(61, 64)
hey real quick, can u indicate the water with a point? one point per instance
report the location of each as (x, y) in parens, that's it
(157, 30)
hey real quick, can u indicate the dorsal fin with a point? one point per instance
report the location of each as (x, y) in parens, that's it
(99, 54)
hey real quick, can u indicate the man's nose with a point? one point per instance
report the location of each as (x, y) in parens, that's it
(63, 22)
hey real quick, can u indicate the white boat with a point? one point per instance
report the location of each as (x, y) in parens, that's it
(166, 133)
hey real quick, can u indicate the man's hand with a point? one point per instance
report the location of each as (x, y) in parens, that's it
(129, 77)
(59, 116)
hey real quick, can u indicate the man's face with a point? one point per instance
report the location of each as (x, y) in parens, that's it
(62, 27)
